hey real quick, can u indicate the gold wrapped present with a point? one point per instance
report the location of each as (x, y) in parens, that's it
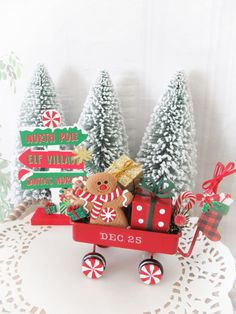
(127, 172)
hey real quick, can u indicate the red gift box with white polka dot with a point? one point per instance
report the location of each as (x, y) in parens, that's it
(151, 213)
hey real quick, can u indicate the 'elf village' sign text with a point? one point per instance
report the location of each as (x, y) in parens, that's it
(50, 159)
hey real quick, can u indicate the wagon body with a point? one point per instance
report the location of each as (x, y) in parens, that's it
(152, 242)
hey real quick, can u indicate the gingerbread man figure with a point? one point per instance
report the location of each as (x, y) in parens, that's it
(105, 200)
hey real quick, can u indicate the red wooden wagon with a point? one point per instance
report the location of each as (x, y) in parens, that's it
(150, 270)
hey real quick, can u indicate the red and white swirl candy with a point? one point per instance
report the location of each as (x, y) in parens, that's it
(108, 214)
(150, 274)
(92, 268)
(51, 119)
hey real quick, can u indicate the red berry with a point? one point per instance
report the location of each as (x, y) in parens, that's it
(180, 220)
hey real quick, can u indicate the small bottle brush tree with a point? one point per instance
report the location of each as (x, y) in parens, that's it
(41, 96)
(168, 148)
(101, 118)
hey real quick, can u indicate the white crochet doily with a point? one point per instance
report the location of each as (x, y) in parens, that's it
(40, 272)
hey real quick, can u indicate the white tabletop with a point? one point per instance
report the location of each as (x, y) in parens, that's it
(40, 272)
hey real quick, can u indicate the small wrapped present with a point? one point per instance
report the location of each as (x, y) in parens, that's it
(64, 203)
(63, 206)
(151, 213)
(50, 208)
(76, 213)
(127, 172)
(152, 210)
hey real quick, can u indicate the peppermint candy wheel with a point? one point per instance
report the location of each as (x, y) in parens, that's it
(108, 214)
(150, 271)
(93, 265)
(51, 118)
(181, 220)
(185, 199)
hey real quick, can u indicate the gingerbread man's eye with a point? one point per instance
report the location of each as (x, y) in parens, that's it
(106, 182)
(99, 183)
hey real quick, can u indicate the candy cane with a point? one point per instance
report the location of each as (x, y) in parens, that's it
(183, 204)
(182, 198)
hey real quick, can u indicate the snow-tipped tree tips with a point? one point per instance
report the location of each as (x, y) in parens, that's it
(41, 96)
(168, 147)
(101, 118)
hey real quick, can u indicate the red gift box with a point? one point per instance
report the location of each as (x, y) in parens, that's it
(151, 212)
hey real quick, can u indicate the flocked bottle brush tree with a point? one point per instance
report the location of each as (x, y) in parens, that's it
(102, 119)
(41, 96)
(168, 147)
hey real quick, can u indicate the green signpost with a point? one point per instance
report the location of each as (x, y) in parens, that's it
(41, 159)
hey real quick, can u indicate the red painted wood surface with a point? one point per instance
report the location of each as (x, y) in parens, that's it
(40, 218)
(153, 242)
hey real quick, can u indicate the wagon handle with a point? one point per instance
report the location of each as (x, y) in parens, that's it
(189, 252)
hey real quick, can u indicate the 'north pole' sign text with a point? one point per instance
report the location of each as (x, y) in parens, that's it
(46, 136)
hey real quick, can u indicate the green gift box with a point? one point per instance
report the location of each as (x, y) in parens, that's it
(50, 208)
(63, 206)
(76, 213)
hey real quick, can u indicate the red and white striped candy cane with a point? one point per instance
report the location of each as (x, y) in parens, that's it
(183, 204)
(185, 200)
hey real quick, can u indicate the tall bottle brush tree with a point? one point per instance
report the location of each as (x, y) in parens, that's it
(101, 118)
(41, 96)
(168, 148)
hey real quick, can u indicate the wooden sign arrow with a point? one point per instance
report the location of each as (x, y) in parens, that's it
(41, 180)
(50, 159)
(47, 136)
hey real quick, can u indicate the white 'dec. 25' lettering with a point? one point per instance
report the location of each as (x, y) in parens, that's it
(120, 238)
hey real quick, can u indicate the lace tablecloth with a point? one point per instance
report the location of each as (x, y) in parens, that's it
(40, 272)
